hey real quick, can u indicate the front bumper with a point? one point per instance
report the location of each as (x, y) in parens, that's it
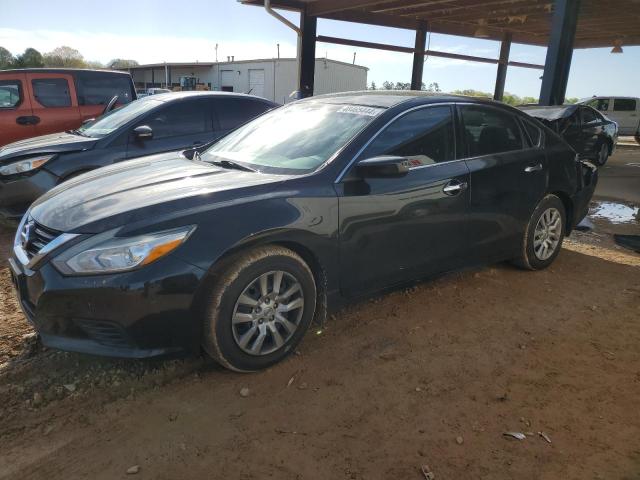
(17, 194)
(142, 313)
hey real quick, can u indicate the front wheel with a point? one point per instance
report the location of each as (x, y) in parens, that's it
(259, 308)
(544, 234)
(603, 155)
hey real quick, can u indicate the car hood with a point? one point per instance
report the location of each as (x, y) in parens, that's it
(552, 113)
(54, 143)
(148, 187)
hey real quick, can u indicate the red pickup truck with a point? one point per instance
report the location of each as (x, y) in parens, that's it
(38, 101)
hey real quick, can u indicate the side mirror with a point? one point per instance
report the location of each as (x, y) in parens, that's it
(383, 167)
(143, 132)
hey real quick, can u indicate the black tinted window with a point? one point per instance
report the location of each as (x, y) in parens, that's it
(52, 92)
(589, 116)
(425, 135)
(624, 105)
(233, 112)
(534, 133)
(10, 93)
(95, 88)
(180, 118)
(488, 131)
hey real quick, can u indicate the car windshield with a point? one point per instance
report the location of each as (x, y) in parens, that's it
(116, 118)
(294, 139)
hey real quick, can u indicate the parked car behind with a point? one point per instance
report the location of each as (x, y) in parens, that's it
(625, 111)
(158, 123)
(327, 198)
(37, 101)
(592, 135)
(143, 92)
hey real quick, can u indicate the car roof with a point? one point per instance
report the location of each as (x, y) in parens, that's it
(391, 98)
(172, 96)
(63, 70)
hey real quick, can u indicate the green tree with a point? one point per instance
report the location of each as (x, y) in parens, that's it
(64, 56)
(387, 85)
(121, 63)
(31, 58)
(7, 59)
(93, 64)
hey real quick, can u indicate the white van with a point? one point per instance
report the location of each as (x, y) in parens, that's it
(625, 111)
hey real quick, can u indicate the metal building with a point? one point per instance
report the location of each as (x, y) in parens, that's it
(274, 79)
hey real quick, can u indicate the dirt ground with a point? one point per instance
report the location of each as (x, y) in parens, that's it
(432, 375)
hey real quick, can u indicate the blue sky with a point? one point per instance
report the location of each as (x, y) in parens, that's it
(169, 31)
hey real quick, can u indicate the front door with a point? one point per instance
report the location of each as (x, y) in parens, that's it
(54, 102)
(16, 117)
(625, 112)
(179, 125)
(397, 229)
(508, 179)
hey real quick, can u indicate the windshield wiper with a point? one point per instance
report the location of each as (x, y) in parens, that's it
(231, 164)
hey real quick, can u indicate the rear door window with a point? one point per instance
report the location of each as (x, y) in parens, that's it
(624, 105)
(424, 136)
(533, 132)
(601, 104)
(51, 92)
(233, 112)
(96, 88)
(10, 93)
(489, 131)
(180, 118)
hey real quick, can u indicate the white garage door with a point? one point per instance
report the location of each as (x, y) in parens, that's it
(256, 82)
(227, 80)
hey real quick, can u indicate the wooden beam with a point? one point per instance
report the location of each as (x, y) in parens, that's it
(323, 7)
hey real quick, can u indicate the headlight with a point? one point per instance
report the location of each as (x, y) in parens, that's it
(25, 165)
(121, 254)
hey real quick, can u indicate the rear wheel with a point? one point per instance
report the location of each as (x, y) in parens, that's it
(603, 155)
(544, 234)
(259, 308)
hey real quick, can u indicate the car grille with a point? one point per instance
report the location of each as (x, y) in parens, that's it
(37, 237)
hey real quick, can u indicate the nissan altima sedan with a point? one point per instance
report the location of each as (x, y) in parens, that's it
(239, 250)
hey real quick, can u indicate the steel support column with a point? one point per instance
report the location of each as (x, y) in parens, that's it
(307, 59)
(559, 52)
(418, 58)
(501, 76)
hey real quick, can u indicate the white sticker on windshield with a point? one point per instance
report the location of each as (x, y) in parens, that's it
(360, 110)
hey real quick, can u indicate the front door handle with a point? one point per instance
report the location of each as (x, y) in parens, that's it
(28, 120)
(534, 168)
(454, 187)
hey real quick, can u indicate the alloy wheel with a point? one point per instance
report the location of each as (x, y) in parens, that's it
(546, 237)
(267, 312)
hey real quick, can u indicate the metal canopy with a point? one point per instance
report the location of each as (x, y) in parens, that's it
(600, 23)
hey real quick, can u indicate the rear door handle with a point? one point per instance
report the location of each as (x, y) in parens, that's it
(454, 187)
(28, 120)
(534, 168)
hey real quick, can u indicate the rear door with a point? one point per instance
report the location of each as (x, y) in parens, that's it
(625, 113)
(96, 89)
(508, 179)
(16, 117)
(397, 229)
(177, 125)
(54, 102)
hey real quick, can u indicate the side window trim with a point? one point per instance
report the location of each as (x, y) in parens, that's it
(20, 93)
(521, 129)
(526, 135)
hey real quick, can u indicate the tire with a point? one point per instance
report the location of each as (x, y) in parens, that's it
(533, 258)
(602, 155)
(237, 313)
